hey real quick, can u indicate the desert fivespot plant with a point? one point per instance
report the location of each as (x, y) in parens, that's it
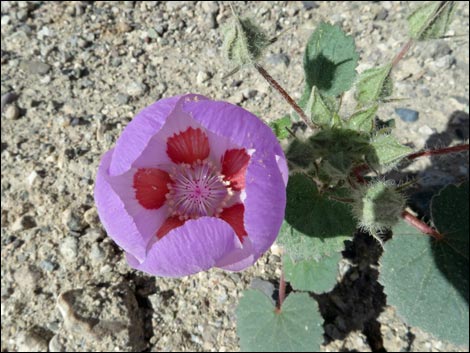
(191, 184)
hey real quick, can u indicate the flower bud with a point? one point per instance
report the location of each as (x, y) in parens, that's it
(378, 206)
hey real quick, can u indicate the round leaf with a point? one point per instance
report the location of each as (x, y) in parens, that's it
(296, 328)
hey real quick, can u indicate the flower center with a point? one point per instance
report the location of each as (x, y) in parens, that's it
(197, 190)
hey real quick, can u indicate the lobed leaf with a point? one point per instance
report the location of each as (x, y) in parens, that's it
(374, 85)
(279, 127)
(330, 60)
(431, 20)
(312, 275)
(386, 152)
(363, 120)
(427, 280)
(315, 226)
(296, 328)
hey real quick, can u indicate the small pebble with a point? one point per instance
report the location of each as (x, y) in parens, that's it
(308, 5)
(69, 248)
(407, 115)
(8, 98)
(279, 59)
(47, 265)
(202, 76)
(136, 88)
(12, 112)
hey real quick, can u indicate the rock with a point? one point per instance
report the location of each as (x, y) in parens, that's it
(91, 217)
(249, 93)
(161, 29)
(7, 98)
(27, 278)
(308, 5)
(202, 76)
(438, 49)
(211, 7)
(123, 27)
(122, 99)
(381, 15)
(69, 248)
(56, 344)
(34, 340)
(444, 62)
(48, 265)
(109, 314)
(73, 220)
(24, 222)
(407, 115)
(35, 67)
(136, 88)
(32, 178)
(426, 130)
(279, 59)
(12, 112)
(97, 254)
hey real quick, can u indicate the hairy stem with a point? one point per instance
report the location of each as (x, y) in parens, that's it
(421, 226)
(402, 52)
(282, 291)
(438, 151)
(274, 84)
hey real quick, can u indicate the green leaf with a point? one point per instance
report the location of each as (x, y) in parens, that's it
(279, 127)
(315, 226)
(431, 20)
(330, 60)
(427, 280)
(244, 41)
(363, 120)
(312, 275)
(374, 85)
(317, 110)
(386, 152)
(296, 328)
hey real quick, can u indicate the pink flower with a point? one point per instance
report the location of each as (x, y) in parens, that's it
(191, 184)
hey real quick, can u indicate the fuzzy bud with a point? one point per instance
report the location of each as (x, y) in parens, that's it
(378, 206)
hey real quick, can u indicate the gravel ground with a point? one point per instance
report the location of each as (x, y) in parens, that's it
(73, 75)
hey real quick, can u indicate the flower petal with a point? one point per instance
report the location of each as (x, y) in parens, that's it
(265, 201)
(266, 175)
(138, 133)
(188, 146)
(130, 225)
(234, 216)
(153, 155)
(167, 226)
(243, 128)
(150, 186)
(234, 164)
(238, 259)
(196, 246)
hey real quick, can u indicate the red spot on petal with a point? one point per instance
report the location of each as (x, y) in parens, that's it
(188, 146)
(169, 224)
(151, 187)
(234, 216)
(234, 165)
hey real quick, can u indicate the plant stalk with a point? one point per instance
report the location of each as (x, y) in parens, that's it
(274, 84)
(421, 226)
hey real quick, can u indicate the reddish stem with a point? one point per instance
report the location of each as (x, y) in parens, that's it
(282, 292)
(421, 226)
(284, 94)
(402, 52)
(446, 150)
(357, 171)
